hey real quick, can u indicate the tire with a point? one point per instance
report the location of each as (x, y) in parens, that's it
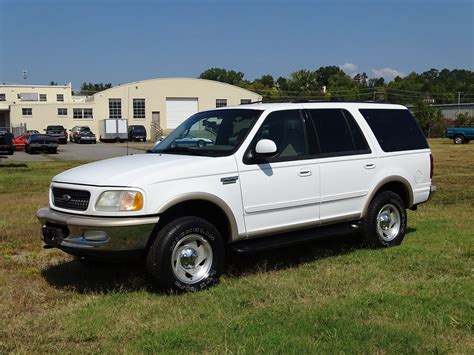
(386, 221)
(171, 260)
(11, 152)
(201, 143)
(458, 139)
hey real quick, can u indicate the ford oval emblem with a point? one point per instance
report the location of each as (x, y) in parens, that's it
(66, 198)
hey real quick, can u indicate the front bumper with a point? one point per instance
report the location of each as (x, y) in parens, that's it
(86, 235)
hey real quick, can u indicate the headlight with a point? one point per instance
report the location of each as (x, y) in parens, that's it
(119, 201)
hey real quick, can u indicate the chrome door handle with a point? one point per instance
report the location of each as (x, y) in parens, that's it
(369, 165)
(304, 172)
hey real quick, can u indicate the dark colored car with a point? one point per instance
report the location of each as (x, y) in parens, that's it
(41, 143)
(6, 142)
(82, 134)
(58, 132)
(136, 133)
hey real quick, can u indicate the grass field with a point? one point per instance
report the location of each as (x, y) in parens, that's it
(330, 296)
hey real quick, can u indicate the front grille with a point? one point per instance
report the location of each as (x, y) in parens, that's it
(71, 199)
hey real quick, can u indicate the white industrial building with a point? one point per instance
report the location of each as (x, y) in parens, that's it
(157, 104)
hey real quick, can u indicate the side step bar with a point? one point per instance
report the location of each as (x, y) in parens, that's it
(286, 239)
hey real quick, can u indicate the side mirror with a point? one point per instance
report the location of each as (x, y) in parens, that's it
(265, 148)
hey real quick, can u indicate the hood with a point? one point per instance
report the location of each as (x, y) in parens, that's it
(138, 170)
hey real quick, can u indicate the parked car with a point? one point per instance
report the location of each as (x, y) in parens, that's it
(58, 132)
(6, 142)
(41, 143)
(460, 135)
(20, 141)
(136, 133)
(190, 140)
(82, 134)
(276, 174)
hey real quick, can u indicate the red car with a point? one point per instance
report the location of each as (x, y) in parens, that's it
(20, 141)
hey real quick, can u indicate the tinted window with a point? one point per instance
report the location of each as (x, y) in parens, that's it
(338, 133)
(395, 130)
(286, 129)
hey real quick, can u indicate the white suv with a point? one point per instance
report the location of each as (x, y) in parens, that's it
(250, 177)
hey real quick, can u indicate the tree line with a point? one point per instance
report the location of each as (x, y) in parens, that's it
(330, 83)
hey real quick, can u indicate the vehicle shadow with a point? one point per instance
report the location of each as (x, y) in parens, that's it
(95, 277)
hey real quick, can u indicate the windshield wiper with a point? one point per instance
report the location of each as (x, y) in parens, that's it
(185, 150)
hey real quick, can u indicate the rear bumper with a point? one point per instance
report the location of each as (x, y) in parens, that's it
(95, 236)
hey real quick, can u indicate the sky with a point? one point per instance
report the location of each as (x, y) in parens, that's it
(122, 41)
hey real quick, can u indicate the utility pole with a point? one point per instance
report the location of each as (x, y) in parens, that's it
(459, 97)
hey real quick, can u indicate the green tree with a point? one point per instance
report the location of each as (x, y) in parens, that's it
(430, 119)
(225, 76)
(464, 120)
(90, 88)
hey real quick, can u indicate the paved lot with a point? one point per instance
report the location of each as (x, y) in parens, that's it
(73, 151)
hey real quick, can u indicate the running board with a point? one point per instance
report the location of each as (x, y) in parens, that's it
(296, 237)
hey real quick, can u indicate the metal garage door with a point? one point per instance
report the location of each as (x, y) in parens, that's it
(177, 110)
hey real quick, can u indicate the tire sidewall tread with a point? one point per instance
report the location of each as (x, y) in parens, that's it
(158, 259)
(370, 221)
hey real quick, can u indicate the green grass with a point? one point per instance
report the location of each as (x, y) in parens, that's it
(330, 296)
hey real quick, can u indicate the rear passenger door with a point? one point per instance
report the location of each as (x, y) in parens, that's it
(347, 164)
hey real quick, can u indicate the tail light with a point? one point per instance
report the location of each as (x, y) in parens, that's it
(431, 166)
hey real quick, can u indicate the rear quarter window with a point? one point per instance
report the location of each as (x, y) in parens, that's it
(395, 130)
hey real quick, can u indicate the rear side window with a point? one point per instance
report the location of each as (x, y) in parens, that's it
(395, 130)
(338, 133)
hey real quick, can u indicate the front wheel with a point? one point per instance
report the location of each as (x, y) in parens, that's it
(187, 255)
(386, 220)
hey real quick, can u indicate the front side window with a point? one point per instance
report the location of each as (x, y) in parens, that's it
(338, 133)
(43, 97)
(138, 108)
(27, 111)
(62, 111)
(210, 133)
(395, 130)
(115, 108)
(60, 97)
(286, 129)
(221, 103)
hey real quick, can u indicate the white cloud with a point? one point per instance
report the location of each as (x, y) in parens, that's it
(387, 73)
(349, 67)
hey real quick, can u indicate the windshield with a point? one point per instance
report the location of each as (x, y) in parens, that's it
(210, 133)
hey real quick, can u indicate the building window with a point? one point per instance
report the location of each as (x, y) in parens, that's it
(27, 111)
(88, 113)
(2, 97)
(138, 108)
(43, 97)
(245, 101)
(60, 97)
(115, 108)
(79, 113)
(221, 102)
(62, 111)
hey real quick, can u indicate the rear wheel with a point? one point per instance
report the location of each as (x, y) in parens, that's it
(458, 139)
(187, 255)
(386, 220)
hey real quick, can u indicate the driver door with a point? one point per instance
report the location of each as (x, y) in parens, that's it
(282, 192)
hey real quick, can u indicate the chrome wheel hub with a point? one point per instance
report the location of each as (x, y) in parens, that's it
(388, 222)
(191, 259)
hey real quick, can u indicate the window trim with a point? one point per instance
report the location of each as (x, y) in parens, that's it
(347, 115)
(26, 108)
(222, 101)
(62, 115)
(45, 97)
(249, 159)
(135, 116)
(3, 97)
(117, 116)
(58, 96)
